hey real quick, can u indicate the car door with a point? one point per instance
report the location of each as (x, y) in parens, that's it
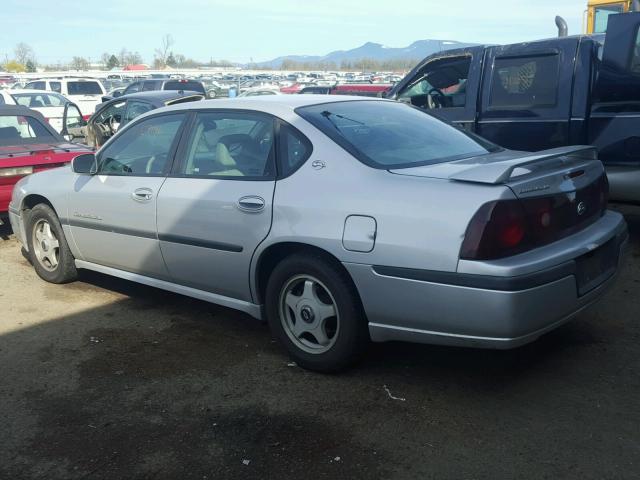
(526, 94)
(446, 84)
(216, 206)
(112, 214)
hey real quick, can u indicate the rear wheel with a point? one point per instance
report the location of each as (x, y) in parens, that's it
(314, 312)
(48, 249)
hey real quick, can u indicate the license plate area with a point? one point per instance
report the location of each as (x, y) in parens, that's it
(593, 268)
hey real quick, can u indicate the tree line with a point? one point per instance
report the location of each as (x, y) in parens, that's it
(25, 61)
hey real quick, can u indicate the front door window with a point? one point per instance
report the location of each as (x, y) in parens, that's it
(143, 149)
(442, 83)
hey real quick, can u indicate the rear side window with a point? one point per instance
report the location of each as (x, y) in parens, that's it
(293, 150)
(525, 82)
(56, 87)
(84, 88)
(384, 134)
(184, 85)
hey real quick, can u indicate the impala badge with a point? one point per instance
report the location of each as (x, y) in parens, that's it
(582, 207)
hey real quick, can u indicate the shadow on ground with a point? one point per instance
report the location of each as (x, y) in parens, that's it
(155, 385)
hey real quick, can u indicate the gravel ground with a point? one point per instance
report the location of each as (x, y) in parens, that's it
(107, 379)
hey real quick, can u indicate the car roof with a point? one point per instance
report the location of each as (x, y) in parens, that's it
(30, 90)
(159, 95)
(271, 103)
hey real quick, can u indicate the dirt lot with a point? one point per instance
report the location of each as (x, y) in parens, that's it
(106, 379)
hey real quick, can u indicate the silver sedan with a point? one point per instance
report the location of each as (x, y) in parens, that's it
(338, 219)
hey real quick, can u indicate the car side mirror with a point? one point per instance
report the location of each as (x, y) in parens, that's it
(85, 164)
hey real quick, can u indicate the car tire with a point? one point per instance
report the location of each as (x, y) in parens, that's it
(302, 293)
(48, 249)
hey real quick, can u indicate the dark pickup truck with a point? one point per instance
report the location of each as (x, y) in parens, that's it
(544, 94)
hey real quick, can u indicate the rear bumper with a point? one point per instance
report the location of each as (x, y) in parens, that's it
(507, 313)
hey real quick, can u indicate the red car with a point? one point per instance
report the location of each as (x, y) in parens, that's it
(28, 144)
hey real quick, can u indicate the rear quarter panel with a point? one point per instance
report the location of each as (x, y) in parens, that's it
(420, 221)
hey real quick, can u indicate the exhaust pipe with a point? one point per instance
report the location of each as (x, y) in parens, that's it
(635, 6)
(563, 28)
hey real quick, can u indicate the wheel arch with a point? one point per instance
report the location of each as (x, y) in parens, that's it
(275, 253)
(33, 199)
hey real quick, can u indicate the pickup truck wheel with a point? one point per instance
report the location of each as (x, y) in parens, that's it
(48, 248)
(314, 312)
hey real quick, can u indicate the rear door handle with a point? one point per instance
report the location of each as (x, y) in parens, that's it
(142, 194)
(251, 203)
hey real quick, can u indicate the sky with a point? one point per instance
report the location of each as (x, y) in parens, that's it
(259, 30)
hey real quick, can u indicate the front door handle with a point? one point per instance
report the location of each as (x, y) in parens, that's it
(251, 203)
(142, 194)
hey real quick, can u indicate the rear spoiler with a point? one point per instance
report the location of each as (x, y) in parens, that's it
(500, 171)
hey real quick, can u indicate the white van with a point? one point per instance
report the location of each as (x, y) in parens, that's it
(86, 93)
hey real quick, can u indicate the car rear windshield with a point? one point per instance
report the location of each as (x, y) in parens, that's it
(84, 88)
(20, 130)
(384, 134)
(191, 86)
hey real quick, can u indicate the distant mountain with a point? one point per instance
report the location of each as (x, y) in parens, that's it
(375, 51)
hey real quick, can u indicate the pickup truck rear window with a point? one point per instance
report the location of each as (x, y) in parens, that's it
(525, 82)
(388, 135)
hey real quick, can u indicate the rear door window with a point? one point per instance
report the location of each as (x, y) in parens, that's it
(84, 88)
(56, 86)
(525, 82)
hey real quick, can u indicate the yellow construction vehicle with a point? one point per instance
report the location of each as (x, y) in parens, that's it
(598, 12)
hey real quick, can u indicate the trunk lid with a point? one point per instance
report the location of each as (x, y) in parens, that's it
(39, 155)
(558, 192)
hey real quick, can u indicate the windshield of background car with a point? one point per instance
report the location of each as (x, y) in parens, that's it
(39, 100)
(191, 86)
(392, 135)
(84, 88)
(20, 130)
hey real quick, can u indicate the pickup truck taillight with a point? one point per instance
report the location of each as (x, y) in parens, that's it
(507, 227)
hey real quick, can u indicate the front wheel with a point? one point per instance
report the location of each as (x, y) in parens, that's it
(314, 312)
(48, 249)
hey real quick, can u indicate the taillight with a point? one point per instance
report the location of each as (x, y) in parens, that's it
(15, 171)
(497, 230)
(508, 227)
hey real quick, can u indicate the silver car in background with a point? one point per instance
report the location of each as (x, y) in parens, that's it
(340, 220)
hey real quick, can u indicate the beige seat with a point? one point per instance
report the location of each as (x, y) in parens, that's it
(224, 158)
